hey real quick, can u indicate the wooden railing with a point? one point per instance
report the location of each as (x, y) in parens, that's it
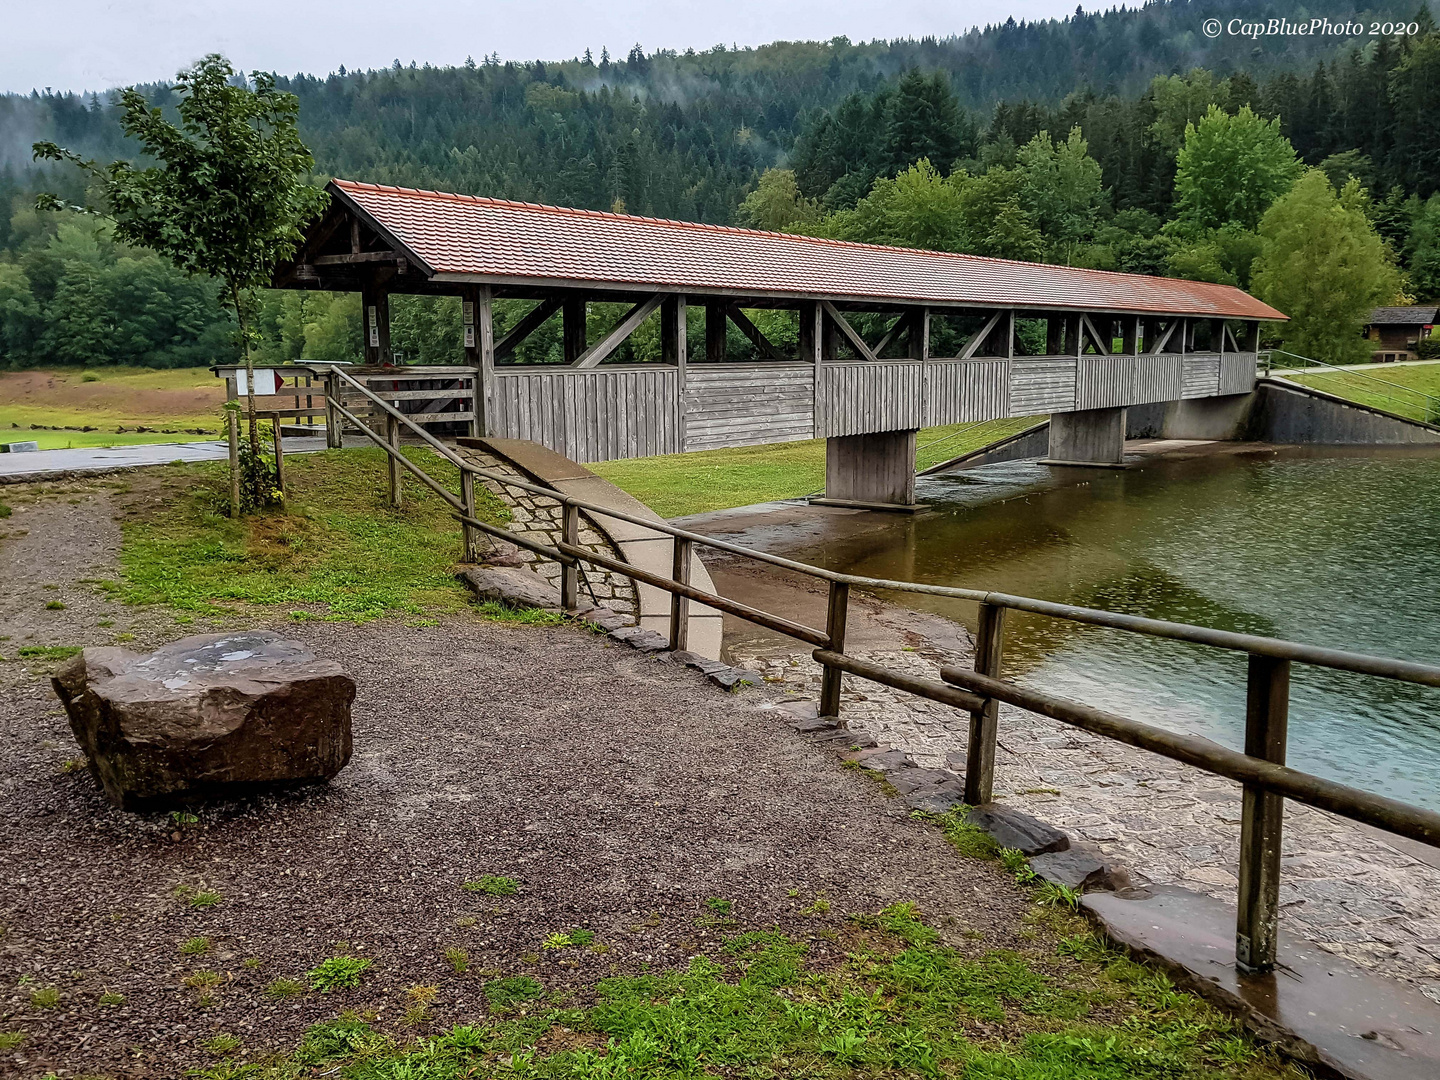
(1260, 769)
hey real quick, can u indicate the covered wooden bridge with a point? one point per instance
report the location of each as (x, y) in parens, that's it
(886, 340)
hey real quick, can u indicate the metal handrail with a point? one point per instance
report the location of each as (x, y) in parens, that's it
(1261, 768)
(1427, 402)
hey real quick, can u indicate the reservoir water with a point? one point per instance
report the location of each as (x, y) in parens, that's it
(1331, 548)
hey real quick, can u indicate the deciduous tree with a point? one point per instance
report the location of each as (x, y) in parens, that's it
(1231, 169)
(228, 195)
(1323, 264)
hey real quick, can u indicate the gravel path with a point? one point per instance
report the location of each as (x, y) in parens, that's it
(619, 792)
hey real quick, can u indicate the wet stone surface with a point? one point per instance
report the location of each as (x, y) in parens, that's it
(1342, 886)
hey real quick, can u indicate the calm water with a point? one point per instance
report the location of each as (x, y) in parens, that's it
(1337, 549)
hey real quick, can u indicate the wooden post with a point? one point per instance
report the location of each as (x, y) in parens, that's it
(375, 318)
(1054, 335)
(829, 337)
(469, 319)
(1267, 708)
(984, 725)
(334, 425)
(1074, 339)
(572, 316)
(715, 327)
(680, 605)
(484, 422)
(232, 429)
(1009, 318)
(811, 316)
(1250, 338)
(392, 436)
(279, 456)
(1130, 335)
(674, 349)
(570, 572)
(469, 534)
(835, 627)
(917, 334)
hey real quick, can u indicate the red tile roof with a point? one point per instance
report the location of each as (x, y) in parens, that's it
(498, 240)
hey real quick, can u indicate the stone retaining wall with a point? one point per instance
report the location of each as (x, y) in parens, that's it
(538, 518)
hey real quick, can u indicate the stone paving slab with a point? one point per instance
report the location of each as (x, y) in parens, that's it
(1318, 1008)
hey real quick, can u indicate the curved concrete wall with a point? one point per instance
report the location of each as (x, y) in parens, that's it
(1279, 412)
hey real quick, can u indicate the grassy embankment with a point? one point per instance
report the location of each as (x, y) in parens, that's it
(904, 1002)
(177, 405)
(675, 485)
(339, 552)
(1368, 387)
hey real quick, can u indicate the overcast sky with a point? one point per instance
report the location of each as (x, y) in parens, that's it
(99, 44)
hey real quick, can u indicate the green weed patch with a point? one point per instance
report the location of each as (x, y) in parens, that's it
(903, 1005)
(338, 549)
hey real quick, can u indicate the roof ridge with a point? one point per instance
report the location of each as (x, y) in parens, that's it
(487, 200)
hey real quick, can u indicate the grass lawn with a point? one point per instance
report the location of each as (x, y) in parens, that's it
(902, 1003)
(1369, 387)
(182, 404)
(338, 553)
(674, 485)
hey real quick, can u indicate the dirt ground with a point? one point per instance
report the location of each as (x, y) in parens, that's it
(160, 395)
(620, 792)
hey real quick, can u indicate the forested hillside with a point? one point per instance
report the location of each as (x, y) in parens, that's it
(690, 136)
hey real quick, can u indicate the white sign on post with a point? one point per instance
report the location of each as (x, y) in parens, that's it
(374, 328)
(264, 382)
(467, 317)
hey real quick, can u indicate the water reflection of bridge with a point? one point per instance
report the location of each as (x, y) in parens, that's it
(885, 340)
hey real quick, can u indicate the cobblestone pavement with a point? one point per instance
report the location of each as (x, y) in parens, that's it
(539, 518)
(1342, 885)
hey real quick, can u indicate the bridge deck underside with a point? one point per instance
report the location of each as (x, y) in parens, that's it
(605, 413)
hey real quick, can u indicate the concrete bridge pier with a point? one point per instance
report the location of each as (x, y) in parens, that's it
(1094, 437)
(874, 471)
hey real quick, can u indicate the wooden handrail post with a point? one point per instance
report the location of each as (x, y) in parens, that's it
(232, 430)
(570, 572)
(334, 424)
(1267, 710)
(470, 535)
(680, 605)
(984, 725)
(392, 436)
(279, 456)
(835, 628)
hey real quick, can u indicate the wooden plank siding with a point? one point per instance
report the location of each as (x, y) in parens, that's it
(1158, 378)
(1042, 384)
(638, 410)
(869, 395)
(1102, 382)
(1237, 373)
(958, 391)
(748, 404)
(590, 415)
(1200, 377)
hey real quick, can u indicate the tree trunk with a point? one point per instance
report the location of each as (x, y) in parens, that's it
(253, 480)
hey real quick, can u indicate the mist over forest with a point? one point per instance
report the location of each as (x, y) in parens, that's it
(1060, 140)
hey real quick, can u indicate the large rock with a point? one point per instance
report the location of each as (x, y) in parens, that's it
(212, 715)
(516, 586)
(1018, 830)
